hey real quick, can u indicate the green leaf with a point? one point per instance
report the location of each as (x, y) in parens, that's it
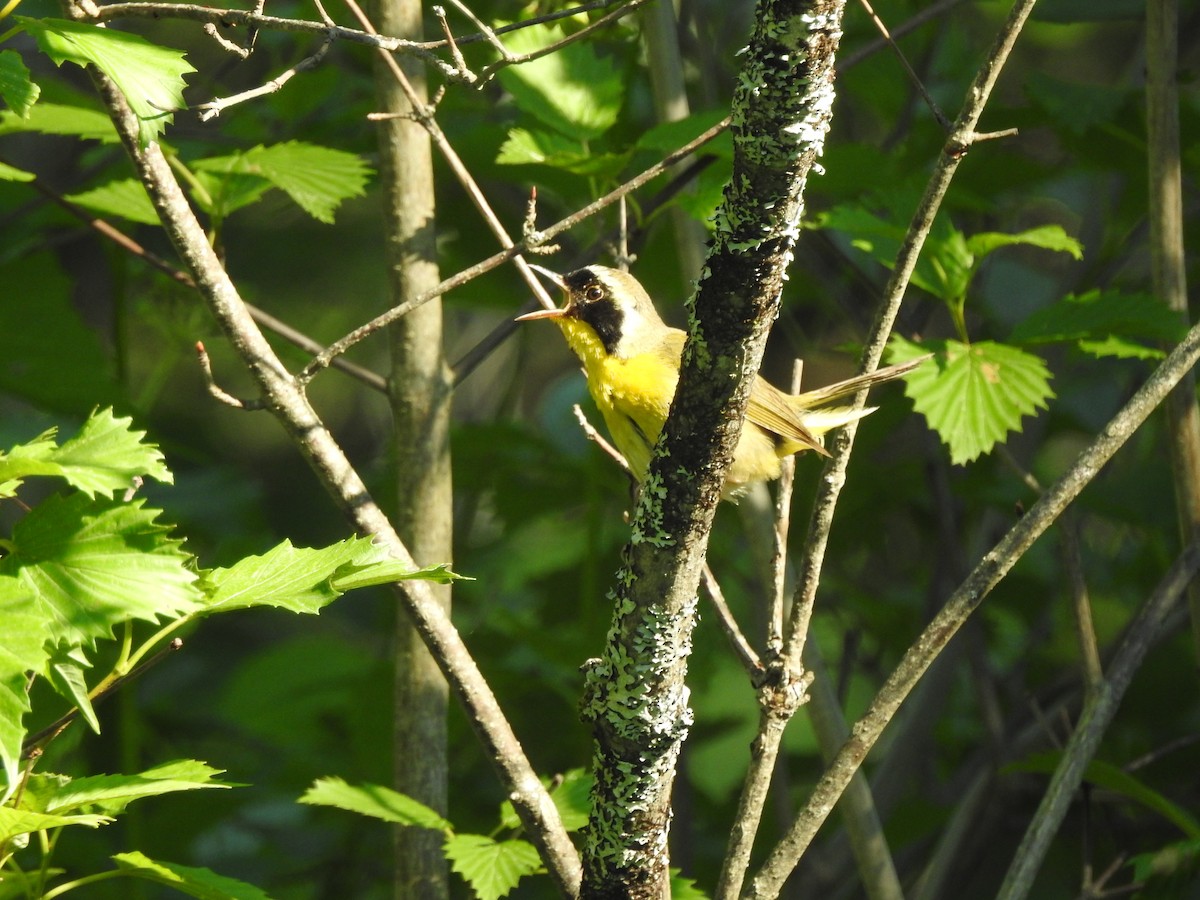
(685, 888)
(22, 649)
(374, 800)
(224, 193)
(571, 796)
(299, 579)
(1105, 323)
(318, 179)
(193, 881)
(1048, 237)
(103, 458)
(57, 118)
(1176, 862)
(973, 394)
(125, 198)
(96, 564)
(1113, 778)
(540, 147)
(65, 670)
(16, 85)
(19, 821)
(574, 90)
(492, 868)
(389, 571)
(12, 173)
(110, 794)
(150, 76)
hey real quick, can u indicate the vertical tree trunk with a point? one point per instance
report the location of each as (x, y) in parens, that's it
(420, 408)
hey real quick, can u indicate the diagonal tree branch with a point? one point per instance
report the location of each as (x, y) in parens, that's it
(288, 403)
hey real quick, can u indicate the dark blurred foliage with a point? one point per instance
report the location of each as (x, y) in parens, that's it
(279, 701)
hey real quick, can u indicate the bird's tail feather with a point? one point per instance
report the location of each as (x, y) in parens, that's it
(809, 399)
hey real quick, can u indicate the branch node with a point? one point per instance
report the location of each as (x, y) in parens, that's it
(216, 390)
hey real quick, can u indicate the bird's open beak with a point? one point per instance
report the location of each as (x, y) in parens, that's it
(554, 278)
(542, 314)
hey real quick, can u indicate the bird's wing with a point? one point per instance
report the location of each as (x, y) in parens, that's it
(778, 413)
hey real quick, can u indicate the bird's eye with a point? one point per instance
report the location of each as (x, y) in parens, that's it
(594, 293)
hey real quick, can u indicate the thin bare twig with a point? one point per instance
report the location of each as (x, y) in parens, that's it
(216, 390)
(733, 632)
(783, 858)
(214, 108)
(512, 251)
(912, 75)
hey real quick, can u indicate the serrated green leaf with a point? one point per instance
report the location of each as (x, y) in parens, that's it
(295, 578)
(1105, 323)
(150, 76)
(1113, 778)
(58, 118)
(17, 88)
(491, 868)
(973, 394)
(318, 179)
(389, 571)
(574, 90)
(1048, 237)
(125, 198)
(22, 649)
(224, 193)
(18, 821)
(191, 880)
(65, 670)
(375, 801)
(95, 564)
(110, 794)
(540, 147)
(103, 458)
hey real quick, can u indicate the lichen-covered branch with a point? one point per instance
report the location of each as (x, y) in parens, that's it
(635, 696)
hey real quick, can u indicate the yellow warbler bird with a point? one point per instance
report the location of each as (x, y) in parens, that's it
(631, 359)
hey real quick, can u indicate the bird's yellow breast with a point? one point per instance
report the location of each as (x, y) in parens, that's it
(634, 396)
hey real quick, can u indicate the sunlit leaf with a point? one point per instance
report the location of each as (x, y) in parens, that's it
(492, 868)
(573, 90)
(18, 821)
(193, 881)
(306, 580)
(375, 801)
(22, 650)
(67, 673)
(125, 198)
(973, 395)
(150, 76)
(58, 118)
(318, 179)
(1048, 237)
(103, 458)
(96, 564)
(17, 88)
(110, 794)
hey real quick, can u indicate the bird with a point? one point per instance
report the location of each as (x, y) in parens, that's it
(631, 359)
